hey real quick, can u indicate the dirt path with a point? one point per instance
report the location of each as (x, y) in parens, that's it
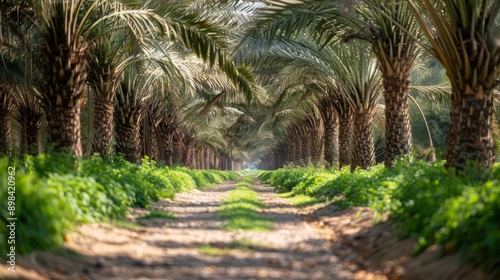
(170, 249)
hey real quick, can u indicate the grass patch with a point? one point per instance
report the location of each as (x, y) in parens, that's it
(301, 200)
(425, 201)
(246, 181)
(247, 244)
(158, 214)
(243, 184)
(126, 224)
(214, 251)
(240, 210)
(244, 244)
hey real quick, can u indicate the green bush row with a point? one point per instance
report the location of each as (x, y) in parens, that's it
(55, 191)
(425, 200)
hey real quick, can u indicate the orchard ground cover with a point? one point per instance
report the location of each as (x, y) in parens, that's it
(54, 192)
(189, 226)
(196, 244)
(424, 201)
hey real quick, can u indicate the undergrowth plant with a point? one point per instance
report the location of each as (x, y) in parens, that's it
(426, 201)
(55, 191)
(240, 209)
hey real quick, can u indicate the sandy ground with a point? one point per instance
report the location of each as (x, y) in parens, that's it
(324, 243)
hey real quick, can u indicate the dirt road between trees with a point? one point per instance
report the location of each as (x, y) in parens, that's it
(176, 248)
(194, 245)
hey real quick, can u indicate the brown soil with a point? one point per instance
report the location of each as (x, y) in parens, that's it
(375, 249)
(311, 243)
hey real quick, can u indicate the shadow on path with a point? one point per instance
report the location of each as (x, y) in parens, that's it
(171, 249)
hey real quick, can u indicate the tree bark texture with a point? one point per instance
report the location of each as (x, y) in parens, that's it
(104, 127)
(64, 129)
(363, 153)
(128, 134)
(6, 104)
(65, 73)
(398, 136)
(305, 153)
(471, 129)
(346, 118)
(31, 123)
(331, 136)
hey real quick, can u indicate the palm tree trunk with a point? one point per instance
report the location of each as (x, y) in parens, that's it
(178, 155)
(398, 137)
(305, 148)
(166, 139)
(315, 139)
(64, 129)
(103, 124)
(128, 140)
(298, 150)
(216, 161)
(128, 135)
(471, 129)
(207, 158)
(331, 146)
(345, 134)
(65, 73)
(30, 132)
(5, 122)
(363, 153)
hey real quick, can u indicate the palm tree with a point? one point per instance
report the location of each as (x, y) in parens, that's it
(66, 27)
(105, 67)
(187, 26)
(360, 83)
(392, 31)
(11, 74)
(386, 25)
(330, 117)
(140, 81)
(348, 73)
(463, 36)
(29, 115)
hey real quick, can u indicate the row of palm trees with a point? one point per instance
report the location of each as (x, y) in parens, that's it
(325, 65)
(128, 61)
(462, 35)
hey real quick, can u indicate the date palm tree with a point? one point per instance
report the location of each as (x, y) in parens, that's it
(463, 36)
(11, 75)
(199, 26)
(11, 69)
(140, 81)
(347, 70)
(389, 28)
(66, 27)
(392, 31)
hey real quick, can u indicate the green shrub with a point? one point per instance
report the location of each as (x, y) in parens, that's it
(86, 198)
(212, 177)
(198, 177)
(425, 200)
(226, 175)
(43, 215)
(56, 191)
(181, 181)
(240, 210)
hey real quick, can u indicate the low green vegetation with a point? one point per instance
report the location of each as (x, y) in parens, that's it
(240, 209)
(214, 251)
(244, 244)
(158, 214)
(54, 192)
(301, 200)
(126, 224)
(425, 201)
